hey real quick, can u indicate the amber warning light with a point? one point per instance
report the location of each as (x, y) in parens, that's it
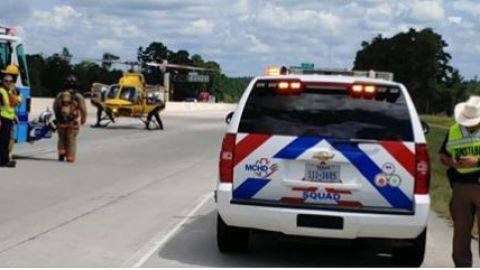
(363, 90)
(378, 92)
(275, 71)
(283, 87)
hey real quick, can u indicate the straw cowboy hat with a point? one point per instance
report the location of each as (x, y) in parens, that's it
(468, 113)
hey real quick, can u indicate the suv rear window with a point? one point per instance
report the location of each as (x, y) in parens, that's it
(326, 113)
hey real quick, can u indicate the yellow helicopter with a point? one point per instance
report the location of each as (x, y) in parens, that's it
(131, 97)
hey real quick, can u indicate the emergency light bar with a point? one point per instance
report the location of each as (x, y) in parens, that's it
(358, 89)
(345, 72)
(276, 71)
(282, 87)
(370, 91)
(363, 90)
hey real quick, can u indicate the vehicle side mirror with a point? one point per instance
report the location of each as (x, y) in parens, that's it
(425, 127)
(229, 117)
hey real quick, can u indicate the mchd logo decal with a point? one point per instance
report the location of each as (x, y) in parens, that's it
(262, 168)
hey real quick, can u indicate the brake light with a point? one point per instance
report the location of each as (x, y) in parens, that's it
(422, 169)
(226, 158)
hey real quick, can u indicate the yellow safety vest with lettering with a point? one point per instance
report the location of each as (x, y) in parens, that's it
(6, 110)
(462, 143)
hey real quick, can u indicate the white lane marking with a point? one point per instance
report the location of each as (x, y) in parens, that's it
(163, 239)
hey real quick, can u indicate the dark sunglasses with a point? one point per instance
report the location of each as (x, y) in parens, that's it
(7, 81)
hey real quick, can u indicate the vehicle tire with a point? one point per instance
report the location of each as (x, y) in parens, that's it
(231, 239)
(411, 254)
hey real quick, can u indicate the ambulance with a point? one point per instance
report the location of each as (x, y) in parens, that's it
(12, 52)
(328, 154)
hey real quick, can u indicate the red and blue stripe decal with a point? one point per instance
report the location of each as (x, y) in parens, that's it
(364, 164)
(249, 188)
(402, 154)
(247, 145)
(360, 160)
(369, 170)
(297, 147)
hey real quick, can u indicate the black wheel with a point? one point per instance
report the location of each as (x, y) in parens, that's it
(231, 239)
(412, 253)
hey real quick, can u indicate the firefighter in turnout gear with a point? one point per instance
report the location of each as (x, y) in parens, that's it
(460, 152)
(16, 100)
(70, 112)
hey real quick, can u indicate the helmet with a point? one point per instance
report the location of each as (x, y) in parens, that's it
(71, 82)
(12, 70)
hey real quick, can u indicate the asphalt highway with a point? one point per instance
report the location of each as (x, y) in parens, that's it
(144, 198)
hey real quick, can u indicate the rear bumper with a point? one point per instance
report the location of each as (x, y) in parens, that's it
(355, 225)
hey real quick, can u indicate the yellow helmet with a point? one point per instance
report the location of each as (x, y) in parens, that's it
(12, 70)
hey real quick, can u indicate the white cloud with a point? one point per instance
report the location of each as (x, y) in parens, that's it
(244, 35)
(455, 20)
(428, 10)
(291, 19)
(384, 9)
(109, 45)
(59, 18)
(199, 27)
(257, 46)
(470, 7)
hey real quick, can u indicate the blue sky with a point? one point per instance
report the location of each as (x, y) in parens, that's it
(242, 35)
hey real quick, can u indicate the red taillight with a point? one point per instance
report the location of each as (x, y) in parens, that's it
(422, 169)
(226, 158)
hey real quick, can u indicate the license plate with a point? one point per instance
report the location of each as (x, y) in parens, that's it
(322, 173)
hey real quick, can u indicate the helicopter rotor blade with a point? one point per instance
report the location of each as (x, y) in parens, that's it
(176, 66)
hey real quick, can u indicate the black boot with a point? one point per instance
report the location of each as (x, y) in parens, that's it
(11, 164)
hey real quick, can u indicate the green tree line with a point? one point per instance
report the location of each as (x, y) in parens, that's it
(418, 60)
(47, 73)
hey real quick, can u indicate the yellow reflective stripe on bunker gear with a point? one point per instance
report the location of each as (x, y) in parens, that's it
(461, 143)
(6, 111)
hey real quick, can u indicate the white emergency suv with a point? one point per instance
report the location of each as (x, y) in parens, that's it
(341, 155)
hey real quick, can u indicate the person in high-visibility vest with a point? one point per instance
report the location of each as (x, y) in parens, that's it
(7, 117)
(15, 98)
(460, 152)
